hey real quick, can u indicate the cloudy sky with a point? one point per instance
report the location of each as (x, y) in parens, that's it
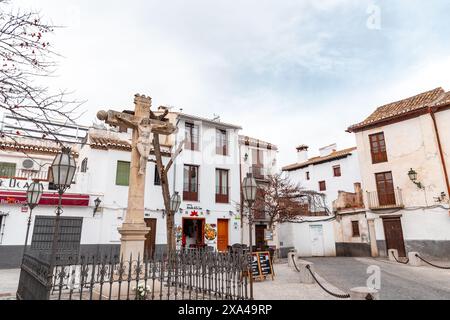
(290, 72)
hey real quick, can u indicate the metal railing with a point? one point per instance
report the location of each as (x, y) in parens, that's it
(181, 275)
(25, 174)
(259, 172)
(385, 200)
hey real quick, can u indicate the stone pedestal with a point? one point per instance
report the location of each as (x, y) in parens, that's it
(132, 240)
(364, 293)
(413, 260)
(305, 275)
(393, 254)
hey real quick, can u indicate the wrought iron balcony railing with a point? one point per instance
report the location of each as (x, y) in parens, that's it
(259, 172)
(23, 174)
(385, 200)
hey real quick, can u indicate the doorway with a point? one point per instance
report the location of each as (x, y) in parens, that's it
(193, 235)
(222, 235)
(317, 245)
(385, 188)
(260, 237)
(393, 233)
(150, 238)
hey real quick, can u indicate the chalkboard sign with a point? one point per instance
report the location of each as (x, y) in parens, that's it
(261, 265)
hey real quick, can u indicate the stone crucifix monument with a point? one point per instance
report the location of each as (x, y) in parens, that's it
(134, 229)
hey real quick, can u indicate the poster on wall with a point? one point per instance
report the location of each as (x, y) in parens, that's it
(178, 235)
(210, 233)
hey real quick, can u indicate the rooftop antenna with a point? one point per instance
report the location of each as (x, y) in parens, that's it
(216, 118)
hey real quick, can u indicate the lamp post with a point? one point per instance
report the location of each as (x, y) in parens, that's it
(249, 188)
(34, 194)
(63, 170)
(175, 202)
(412, 174)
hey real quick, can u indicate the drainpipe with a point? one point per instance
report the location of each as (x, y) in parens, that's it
(241, 204)
(431, 111)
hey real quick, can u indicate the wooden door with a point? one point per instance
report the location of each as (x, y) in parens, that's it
(259, 237)
(150, 237)
(394, 235)
(317, 245)
(385, 188)
(222, 235)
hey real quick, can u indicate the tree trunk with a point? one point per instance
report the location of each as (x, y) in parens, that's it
(166, 194)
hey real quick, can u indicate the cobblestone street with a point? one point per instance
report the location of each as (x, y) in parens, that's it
(398, 281)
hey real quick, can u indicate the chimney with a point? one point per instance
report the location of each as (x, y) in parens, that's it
(302, 153)
(359, 195)
(326, 151)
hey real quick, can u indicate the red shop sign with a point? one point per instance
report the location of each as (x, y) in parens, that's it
(48, 199)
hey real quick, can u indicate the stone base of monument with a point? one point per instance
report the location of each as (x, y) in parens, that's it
(364, 293)
(413, 260)
(115, 291)
(393, 254)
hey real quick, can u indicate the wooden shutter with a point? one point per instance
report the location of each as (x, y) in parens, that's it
(123, 173)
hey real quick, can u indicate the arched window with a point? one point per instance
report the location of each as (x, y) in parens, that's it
(84, 164)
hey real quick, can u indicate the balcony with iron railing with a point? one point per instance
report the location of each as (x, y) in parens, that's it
(385, 200)
(222, 194)
(190, 192)
(259, 172)
(26, 174)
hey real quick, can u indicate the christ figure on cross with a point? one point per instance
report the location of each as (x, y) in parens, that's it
(144, 141)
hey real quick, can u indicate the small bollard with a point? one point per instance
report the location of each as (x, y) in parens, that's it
(305, 274)
(413, 260)
(393, 254)
(291, 255)
(364, 293)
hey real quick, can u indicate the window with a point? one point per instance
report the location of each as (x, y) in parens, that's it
(257, 164)
(192, 138)
(322, 186)
(7, 169)
(157, 179)
(190, 188)
(337, 171)
(221, 142)
(378, 147)
(385, 188)
(222, 190)
(123, 173)
(84, 164)
(355, 229)
(307, 175)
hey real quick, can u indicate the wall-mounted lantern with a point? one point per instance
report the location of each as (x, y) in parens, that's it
(412, 174)
(97, 205)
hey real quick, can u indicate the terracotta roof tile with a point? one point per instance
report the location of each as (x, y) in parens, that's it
(108, 143)
(400, 107)
(317, 160)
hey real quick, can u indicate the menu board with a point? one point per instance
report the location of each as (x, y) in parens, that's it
(261, 265)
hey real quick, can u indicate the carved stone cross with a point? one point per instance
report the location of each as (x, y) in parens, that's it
(142, 121)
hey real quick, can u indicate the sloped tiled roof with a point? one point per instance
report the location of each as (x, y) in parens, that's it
(256, 142)
(108, 143)
(401, 107)
(317, 160)
(31, 145)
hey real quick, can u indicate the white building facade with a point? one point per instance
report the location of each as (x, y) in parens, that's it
(331, 172)
(399, 142)
(258, 158)
(206, 174)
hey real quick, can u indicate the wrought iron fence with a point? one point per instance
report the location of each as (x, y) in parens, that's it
(180, 275)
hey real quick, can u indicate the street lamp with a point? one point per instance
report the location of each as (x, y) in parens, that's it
(175, 202)
(34, 194)
(63, 170)
(97, 204)
(412, 174)
(249, 188)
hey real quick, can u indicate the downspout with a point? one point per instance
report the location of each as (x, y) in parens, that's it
(241, 203)
(441, 152)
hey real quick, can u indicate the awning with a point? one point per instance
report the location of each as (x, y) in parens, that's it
(48, 199)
